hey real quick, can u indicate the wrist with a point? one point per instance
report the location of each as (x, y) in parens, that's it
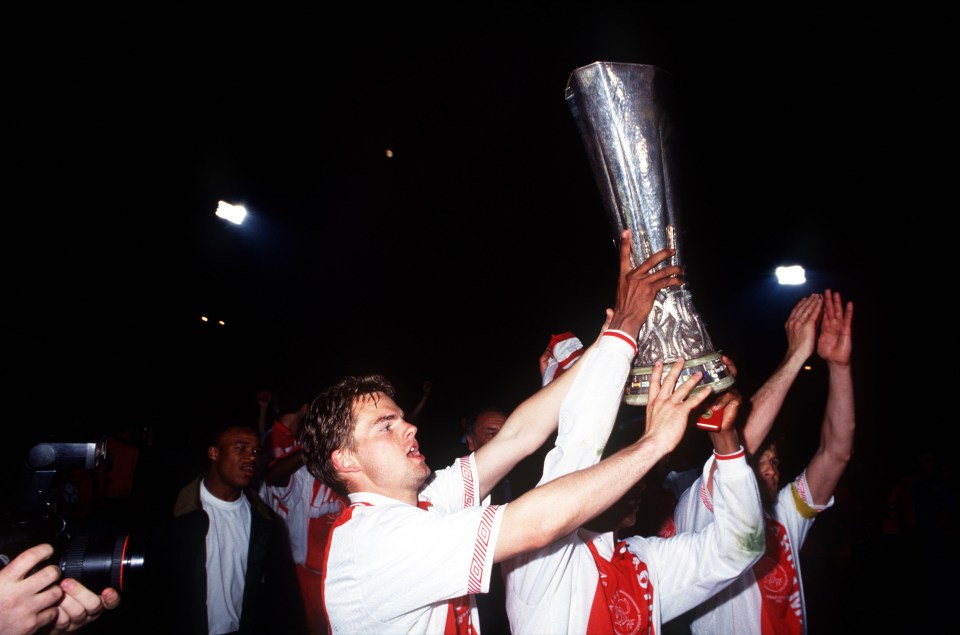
(796, 356)
(612, 334)
(838, 366)
(728, 454)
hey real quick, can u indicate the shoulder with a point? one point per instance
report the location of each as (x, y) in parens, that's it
(188, 498)
(260, 508)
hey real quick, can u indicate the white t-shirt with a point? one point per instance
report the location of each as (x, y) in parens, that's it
(227, 543)
(393, 567)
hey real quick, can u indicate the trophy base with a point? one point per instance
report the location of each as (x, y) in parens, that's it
(711, 365)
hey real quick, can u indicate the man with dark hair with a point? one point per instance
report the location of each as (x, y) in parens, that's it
(223, 563)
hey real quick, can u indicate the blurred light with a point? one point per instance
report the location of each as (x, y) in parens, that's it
(220, 322)
(233, 213)
(791, 275)
(389, 153)
(204, 318)
(808, 367)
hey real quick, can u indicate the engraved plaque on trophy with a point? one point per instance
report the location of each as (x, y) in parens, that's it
(623, 113)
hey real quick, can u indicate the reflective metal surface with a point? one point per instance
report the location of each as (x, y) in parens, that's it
(623, 113)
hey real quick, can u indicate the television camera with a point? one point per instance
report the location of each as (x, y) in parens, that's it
(95, 559)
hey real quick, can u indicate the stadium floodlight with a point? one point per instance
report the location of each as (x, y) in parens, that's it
(233, 213)
(791, 275)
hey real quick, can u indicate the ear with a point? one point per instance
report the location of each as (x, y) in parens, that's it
(345, 461)
(213, 453)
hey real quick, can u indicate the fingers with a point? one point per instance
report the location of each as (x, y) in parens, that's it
(43, 578)
(626, 238)
(807, 308)
(730, 413)
(653, 390)
(81, 605)
(731, 367)
(848, 319)
(668, 388)
(18, 568)
(48, 615)
(110, 598)
(684, 392)
(626, 242)
(726, 399)
(833, 310)
(647, 265)
(673, 376)
(606, 323)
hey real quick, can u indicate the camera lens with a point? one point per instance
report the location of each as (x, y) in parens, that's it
(98, 562)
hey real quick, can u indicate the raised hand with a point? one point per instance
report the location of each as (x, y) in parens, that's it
(726, 440)
(835, 342)
(637, 287)
(669, 405)
(545, 360)
(801, 326)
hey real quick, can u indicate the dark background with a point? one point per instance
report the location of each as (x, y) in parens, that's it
(814, 134)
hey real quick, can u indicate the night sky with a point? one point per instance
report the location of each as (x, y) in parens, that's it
(485, 233)
(814, 134)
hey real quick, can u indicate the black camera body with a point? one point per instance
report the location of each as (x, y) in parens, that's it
(95, 560)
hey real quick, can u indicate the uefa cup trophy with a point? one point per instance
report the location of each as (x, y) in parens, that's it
(623, 114)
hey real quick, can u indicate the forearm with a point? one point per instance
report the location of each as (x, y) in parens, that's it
(704, 562)
(765, 404)
(738, 513)
(589, 411)
(526, 429)
(559, 507)
(836, 436)
(725, 442)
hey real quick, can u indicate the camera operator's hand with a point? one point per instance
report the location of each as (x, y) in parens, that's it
(81, 606)
(28, 602)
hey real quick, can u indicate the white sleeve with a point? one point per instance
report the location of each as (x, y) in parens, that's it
(589, 410)
(692, 566)
(455, 487)
(694, 508)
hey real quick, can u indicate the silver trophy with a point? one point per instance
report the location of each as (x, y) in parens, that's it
(623, 114)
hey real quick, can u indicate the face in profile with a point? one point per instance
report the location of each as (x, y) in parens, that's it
(386, 450)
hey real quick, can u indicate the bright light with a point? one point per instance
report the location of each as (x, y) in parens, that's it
(233, 213)
(791, 275)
